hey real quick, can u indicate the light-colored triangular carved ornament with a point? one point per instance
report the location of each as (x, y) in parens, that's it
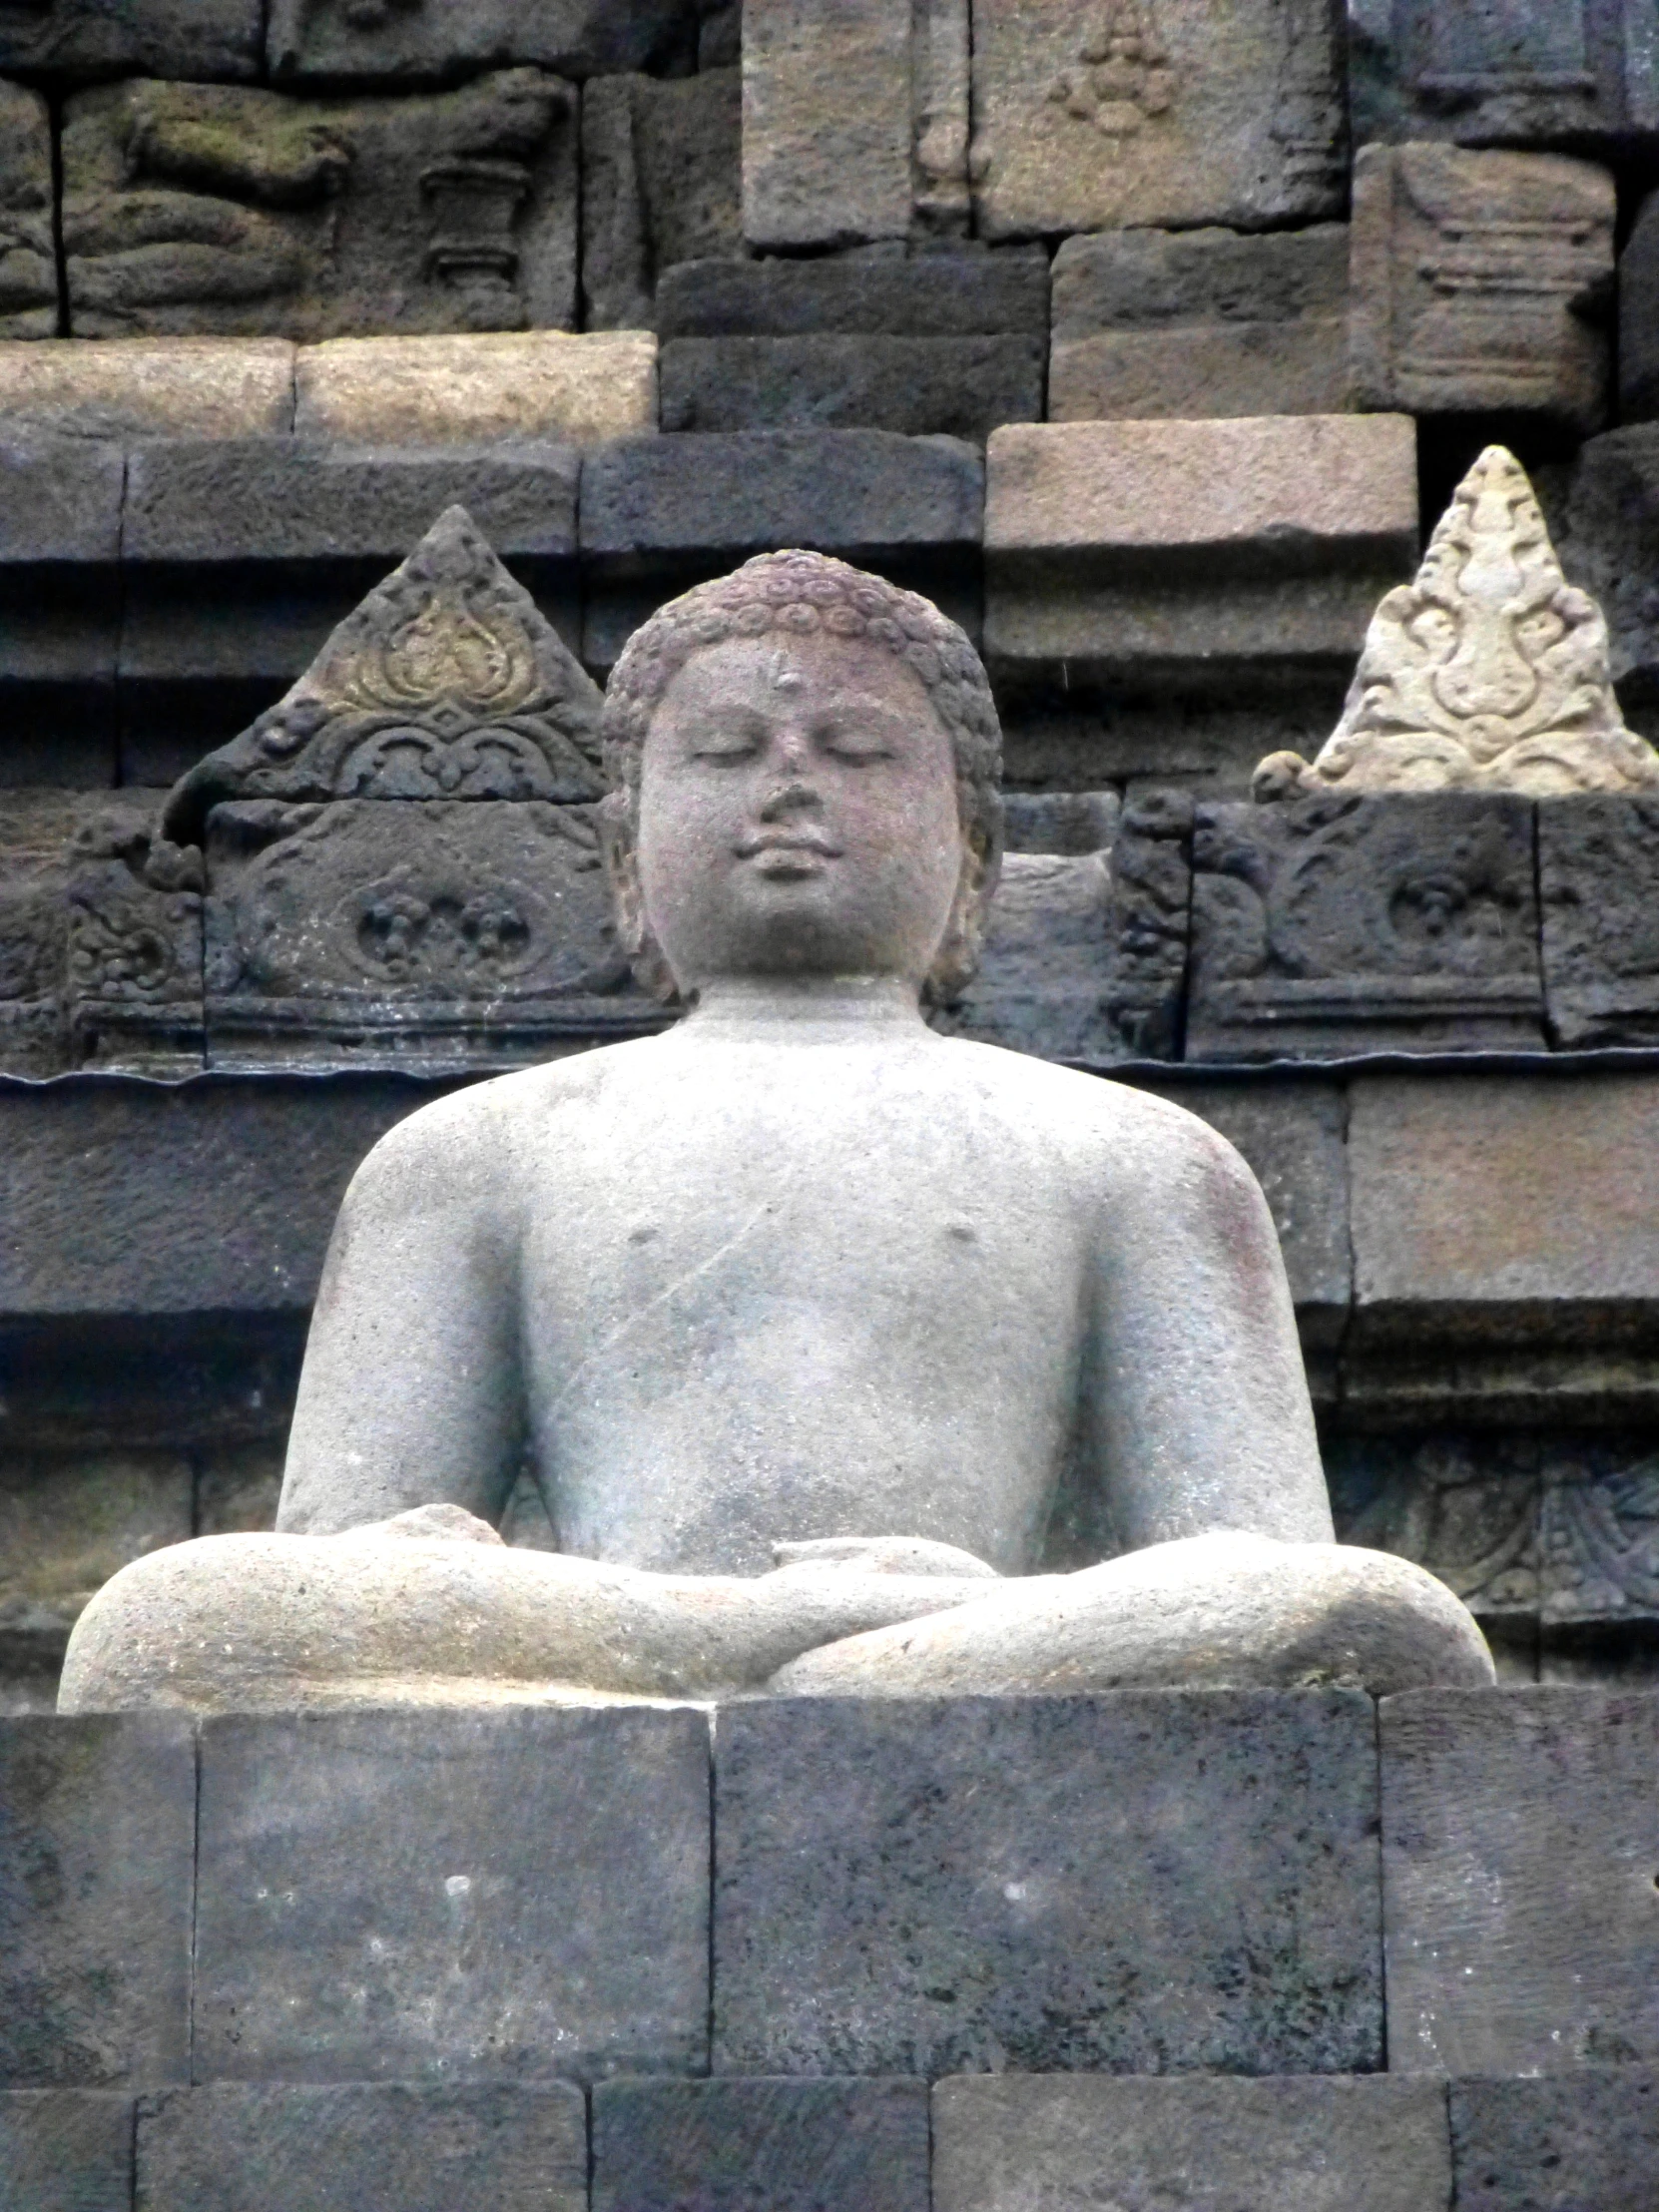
(1488, 673)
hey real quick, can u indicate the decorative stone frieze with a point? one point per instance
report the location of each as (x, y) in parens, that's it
(1092, 115)
(1488, 673)
(1481, 281)
(223, 209)
(1345, 924)
(416, 42)
(401, 856)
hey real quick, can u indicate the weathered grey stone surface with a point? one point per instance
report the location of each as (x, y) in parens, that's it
(330, 42)
(27, 266)
(1491, 673)
(1193, 549)
(67, 1524)
(363, 2147)
(659, 514)
(793, 2146)
(1638, 300)
(519, 386)
(1598, 873)
(1047, 1884)
(1090, 117)
(1505, 1210)
(38, 830)
(467, 1896)
(1598, 1561)
(1047, 970)
(1608, 548)
(66, 2150)
(149, 388)
(957, 293)
(283, 499)
(95, 1900)
(1578, 77)
(208, 1198)
(1327, 926)
(1012, 2143)
(1591, 2137)
(78, 39)
(828, 122)
(661, 186)
(958, 387)
(1497, 1963)
(1481, 281)
(1200, 322)
(60, 501)
(222, 208)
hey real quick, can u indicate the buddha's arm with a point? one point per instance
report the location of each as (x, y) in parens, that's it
(410, 1394)
(1198, 1400)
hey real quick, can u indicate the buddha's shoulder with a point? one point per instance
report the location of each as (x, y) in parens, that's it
(1109, 1126)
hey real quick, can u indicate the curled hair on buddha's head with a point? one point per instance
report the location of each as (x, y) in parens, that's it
(795, 595)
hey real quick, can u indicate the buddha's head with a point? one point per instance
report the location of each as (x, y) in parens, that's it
(805, 766)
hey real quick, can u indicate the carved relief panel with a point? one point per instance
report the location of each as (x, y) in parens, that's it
(222, 210)
(28, 261)
(1335, 925)
(1481, 281)
(1093, 115)
(1599, 880)
(403, 863)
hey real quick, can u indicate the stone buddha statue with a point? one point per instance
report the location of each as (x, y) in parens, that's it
(800, 1313)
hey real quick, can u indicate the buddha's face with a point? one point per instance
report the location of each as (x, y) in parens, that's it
(797, 815)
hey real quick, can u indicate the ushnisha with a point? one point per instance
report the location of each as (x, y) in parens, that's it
(800, 1310)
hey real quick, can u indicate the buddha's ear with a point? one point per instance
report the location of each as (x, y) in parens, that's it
(621, 856)
(957, 960)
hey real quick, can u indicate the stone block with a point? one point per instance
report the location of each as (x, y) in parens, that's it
(1589, 2139)
(151, 388)
(1489, 1210)
(280, 499)
(1461, 1503)
(1047, 1885)
(1610, 546)
(29, 299)
(60, 501)
(1639, 317)
(36, 832)
(455, 1896)
(332, 43)
(262, 216)
(940, 340)
(662, 183)
(1598, 879)
(1092, 116)
(363, 2147)
(1198, 550)
(536, 387)
(856, 120)
(1015, 2143)
(659, 514)
(1520, 1833)
(1200, 322)
(67, 1523)
(1334, 925)
(1599, 1535)
(961, 292)
(137, 1201)
(962, 386)
(77, 39)
(66, 2150)
(1481, 281)
(1156, 736)
(1047, 971)
(1294, 1136)
(1578, 77)
(792, 2146)
(95, 1900)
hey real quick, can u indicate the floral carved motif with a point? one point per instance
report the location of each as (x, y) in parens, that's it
(1121, 78)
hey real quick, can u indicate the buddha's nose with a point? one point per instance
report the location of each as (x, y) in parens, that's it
(791, 796)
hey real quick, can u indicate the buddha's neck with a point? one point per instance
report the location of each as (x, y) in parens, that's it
(809, 1009)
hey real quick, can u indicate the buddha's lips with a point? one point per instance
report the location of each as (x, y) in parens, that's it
(749, 848)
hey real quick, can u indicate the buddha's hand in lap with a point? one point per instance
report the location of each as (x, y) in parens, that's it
(1223, 1610)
